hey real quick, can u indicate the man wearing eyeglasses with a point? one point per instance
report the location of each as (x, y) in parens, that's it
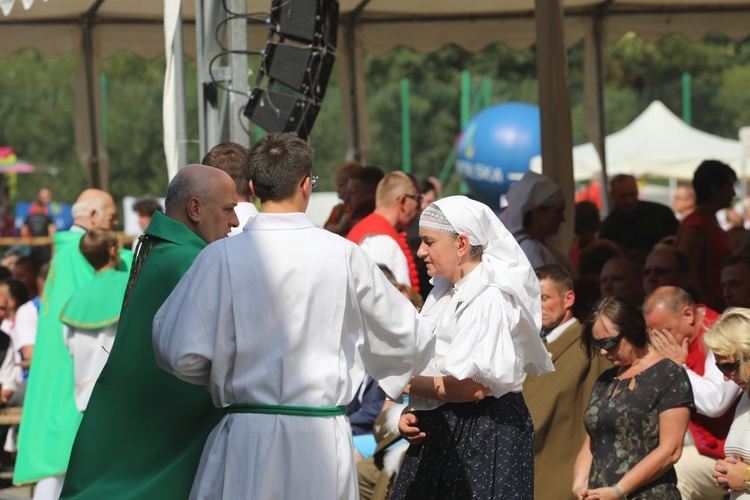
(142, 432)
(381, 234)
(281, 322)
(676, 324)
(666, 266)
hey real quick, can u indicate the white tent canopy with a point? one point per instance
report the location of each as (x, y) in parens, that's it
(658, 143)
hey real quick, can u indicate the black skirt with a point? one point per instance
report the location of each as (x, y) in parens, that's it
(480, 450)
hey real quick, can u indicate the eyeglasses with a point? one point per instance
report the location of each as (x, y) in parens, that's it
(415, 197)
(658, 271)
(314, 181)
(607, 344)
(729, 368)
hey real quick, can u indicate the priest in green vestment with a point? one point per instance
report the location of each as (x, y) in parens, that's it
(143, 431)
(50, 418)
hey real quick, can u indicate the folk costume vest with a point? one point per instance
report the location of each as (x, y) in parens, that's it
(377, 224)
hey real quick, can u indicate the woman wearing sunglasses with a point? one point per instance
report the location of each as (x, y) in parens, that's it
(729, 340)
(637, 414)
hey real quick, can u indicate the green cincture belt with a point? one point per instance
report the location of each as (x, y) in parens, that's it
(300, 411)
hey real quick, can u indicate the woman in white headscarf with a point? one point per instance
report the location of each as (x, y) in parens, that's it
(471, 433)
(536, 208)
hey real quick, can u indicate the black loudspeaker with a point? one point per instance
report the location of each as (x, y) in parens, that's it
(308, 21)
(299, 55)
(277, 112)
(304, 69)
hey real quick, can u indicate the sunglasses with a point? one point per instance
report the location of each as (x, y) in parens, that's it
(417, 198)
(607, 344)
(729, 368)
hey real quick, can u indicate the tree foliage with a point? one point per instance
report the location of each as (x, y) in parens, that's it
(37, 94)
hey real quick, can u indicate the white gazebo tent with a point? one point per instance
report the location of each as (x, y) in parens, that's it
(656, 143)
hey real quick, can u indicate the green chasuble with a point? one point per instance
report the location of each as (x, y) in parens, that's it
(50, 417)
(143, 431)
(96, 304)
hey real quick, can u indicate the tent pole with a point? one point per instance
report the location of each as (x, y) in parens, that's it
(180, 112)
(554, 105)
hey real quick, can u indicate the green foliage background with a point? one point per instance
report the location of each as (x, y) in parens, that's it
(36, 105)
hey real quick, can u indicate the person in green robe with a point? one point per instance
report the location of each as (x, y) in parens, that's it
(91, 315)
(50, 418)
(143, 431)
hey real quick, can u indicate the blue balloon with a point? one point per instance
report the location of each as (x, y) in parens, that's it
(495, 148)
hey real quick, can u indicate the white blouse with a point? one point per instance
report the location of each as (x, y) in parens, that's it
(481, 333)
(738, 439)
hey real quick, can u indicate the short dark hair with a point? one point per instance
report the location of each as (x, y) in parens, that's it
(31, 262)
(95, 246)
(425, 186)
(19, 291)
(729, 261)
(587, 217)
(232, 159)
(617, 179)
(556, 273)
(369, 176)
(624, 316)
(147, 206)
(277, 163)
(710, 173)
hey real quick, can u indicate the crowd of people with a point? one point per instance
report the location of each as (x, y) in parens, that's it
(235, 351)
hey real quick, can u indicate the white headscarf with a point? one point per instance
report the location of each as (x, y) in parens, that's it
(532, 190)
(511, 269)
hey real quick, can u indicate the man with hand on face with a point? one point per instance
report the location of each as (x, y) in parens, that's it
(143, 430)
(676, 325)
(557, 400)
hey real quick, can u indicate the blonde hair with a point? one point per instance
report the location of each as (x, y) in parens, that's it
(412, 295)
(391, 187)
(730, 334)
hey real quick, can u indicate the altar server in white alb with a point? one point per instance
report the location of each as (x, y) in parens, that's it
(281, 323)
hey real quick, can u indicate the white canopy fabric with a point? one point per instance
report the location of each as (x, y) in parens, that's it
(658, 143)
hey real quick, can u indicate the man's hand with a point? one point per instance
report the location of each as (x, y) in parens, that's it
(407, 426)
(664, 342)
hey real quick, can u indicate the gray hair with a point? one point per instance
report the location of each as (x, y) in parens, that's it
(82, 209)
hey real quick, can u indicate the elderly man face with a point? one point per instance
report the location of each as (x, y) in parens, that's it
(217, 217)
(661, 269)
(735, 284)
(109, 214)
(625, 194)
(618, 278)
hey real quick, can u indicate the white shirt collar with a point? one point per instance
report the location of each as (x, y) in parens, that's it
(559, 329)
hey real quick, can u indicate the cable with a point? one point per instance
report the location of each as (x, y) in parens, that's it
(225, 21)
(210, 68)
(226, 8)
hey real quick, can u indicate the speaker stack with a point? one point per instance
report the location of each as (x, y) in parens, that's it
(296, 65)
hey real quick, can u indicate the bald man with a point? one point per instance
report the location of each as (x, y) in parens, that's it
(143, 430)
(50, 417)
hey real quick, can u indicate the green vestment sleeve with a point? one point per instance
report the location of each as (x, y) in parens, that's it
(50, 418)
(143, 431)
